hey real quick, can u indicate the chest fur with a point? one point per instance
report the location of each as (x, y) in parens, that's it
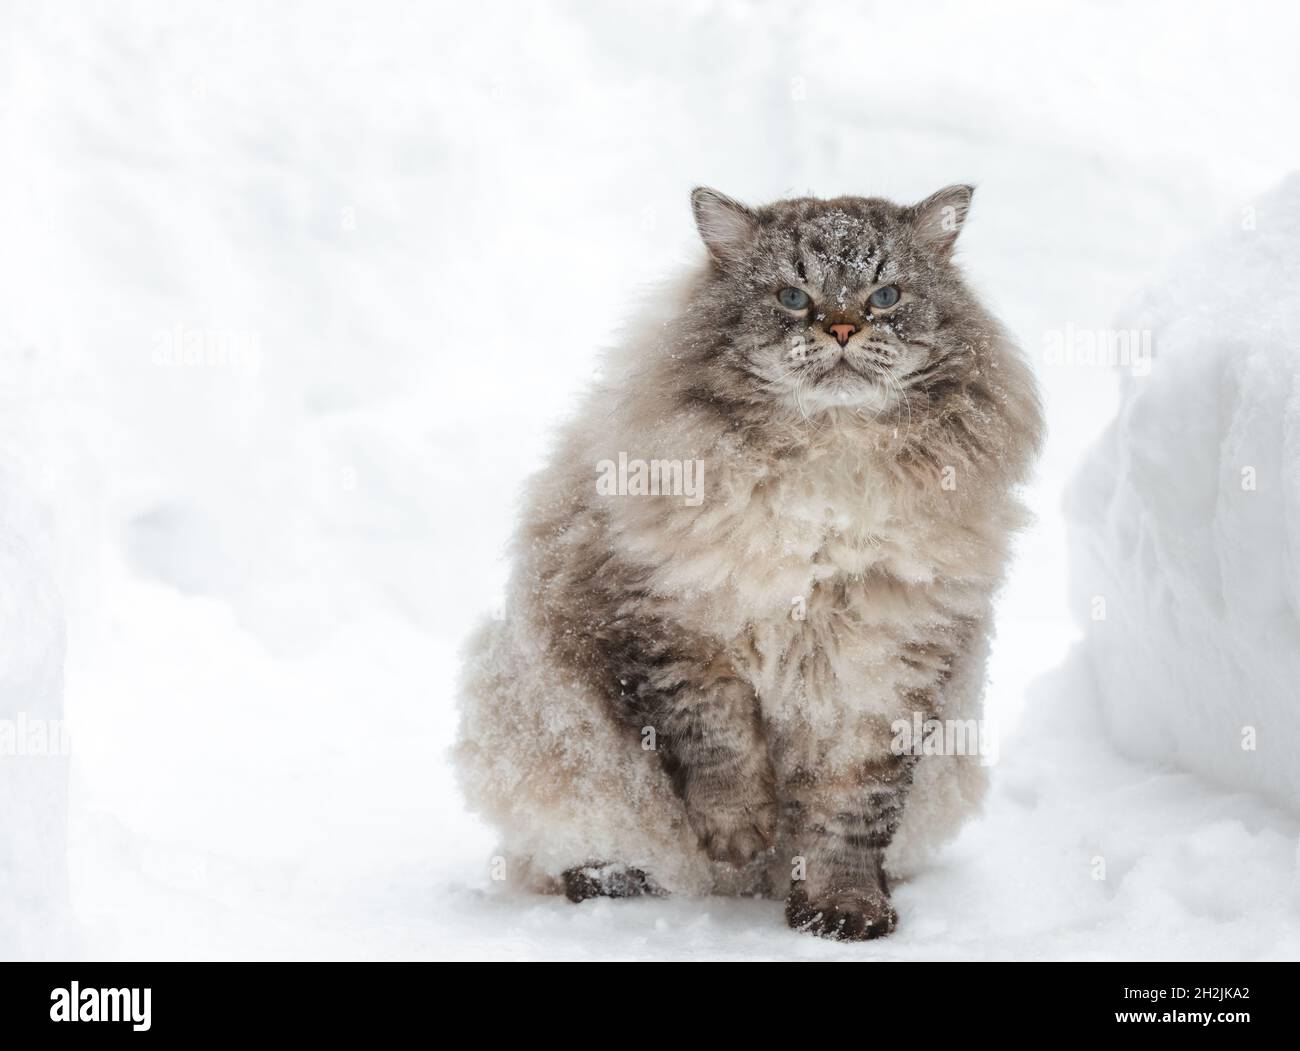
(819, 578)
(789, 543)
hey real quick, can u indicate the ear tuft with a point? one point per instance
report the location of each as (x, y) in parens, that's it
(726, 226)
(939, 218)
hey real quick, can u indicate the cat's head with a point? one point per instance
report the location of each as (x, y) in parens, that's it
(815, 304)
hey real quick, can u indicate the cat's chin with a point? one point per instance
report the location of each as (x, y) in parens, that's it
(857, 394)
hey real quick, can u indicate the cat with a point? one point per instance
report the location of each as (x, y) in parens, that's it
(702, 692)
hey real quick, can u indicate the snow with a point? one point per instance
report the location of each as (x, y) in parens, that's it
(1186, 517)
(391, 261)
(33, 751)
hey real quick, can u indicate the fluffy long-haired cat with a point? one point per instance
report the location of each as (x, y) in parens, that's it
(764, 549)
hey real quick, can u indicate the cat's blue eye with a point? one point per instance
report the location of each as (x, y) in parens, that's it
(883, 298)
(794, 298)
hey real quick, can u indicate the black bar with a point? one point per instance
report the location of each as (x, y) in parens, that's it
(335, 1000)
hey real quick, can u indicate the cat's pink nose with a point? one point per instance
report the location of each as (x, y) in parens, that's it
(843, 332)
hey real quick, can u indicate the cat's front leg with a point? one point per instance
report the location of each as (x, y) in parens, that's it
(843, 789)
(840, 822)
(715, 751)
(708, 732)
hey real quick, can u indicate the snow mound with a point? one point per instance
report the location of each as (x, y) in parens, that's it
(1185, 518)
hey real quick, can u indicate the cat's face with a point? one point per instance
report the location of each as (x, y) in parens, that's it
(848, 302)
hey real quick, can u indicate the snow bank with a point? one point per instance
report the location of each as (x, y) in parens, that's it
(1186, 516)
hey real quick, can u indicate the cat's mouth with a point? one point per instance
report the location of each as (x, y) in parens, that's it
(844, 369)
(847, 380)
(872, 365)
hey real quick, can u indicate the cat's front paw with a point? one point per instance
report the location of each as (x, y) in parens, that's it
(844, 916)
(736, 836)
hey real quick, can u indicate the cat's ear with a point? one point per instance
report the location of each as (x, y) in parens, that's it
(938, 219)
(726, 226)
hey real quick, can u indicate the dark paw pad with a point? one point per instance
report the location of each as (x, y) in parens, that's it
(842, 917)
(606, 881)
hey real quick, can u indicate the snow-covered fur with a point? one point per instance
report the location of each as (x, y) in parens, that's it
(704, 687)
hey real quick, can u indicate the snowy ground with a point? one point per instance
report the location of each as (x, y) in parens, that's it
(398, 233)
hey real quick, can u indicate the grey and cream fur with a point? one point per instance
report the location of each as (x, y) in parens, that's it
(699, 696)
